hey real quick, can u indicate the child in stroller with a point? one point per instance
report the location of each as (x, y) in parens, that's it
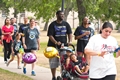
(80, 67)
(73, 67)
(65, 65)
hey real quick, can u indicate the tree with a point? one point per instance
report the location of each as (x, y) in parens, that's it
(3, 7)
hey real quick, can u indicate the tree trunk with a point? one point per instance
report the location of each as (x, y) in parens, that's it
(67, 10)
(81, 10)
(46, 26)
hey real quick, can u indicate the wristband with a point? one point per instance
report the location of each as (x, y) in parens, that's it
(98, 54)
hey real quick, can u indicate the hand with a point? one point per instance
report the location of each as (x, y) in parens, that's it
(118, 52)
(102, 53)
(38, 47)
(58, 43)
(87, 33)
(25, 47)
(69, 43)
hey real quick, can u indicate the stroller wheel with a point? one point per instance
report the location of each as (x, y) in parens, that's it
(59, 78)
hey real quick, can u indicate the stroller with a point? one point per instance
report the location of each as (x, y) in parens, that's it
(69, 73)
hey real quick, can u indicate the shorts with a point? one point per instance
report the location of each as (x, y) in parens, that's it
(15, 52)
(55, 62)
(29, 50)
(78, 53)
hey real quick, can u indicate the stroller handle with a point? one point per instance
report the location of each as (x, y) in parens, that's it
(66, 46)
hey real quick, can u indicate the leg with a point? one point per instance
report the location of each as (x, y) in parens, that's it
(53, 71)
(5, 50)
(11, 60)
(9, 49)
(54, 63)
(33, 64)
(24, 68)
(18, 60)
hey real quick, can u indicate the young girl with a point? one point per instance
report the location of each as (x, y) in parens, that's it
(17, 44)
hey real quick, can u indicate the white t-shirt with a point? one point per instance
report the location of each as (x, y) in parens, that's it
(99, 66)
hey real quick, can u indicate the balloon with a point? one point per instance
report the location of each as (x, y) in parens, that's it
(29, 58)
(50, 52)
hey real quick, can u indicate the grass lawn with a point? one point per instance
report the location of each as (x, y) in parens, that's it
(7, 75)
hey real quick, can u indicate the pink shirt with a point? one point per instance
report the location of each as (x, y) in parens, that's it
(6, 30)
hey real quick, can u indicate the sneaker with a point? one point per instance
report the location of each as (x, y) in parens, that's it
(33, 73)
(19, 67)
(24, 70)
(5, 62)
(54, 78)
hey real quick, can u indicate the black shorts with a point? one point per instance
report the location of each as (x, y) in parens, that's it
(15, 53)
(29, 50)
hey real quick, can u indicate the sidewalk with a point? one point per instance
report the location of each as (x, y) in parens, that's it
(41, 72)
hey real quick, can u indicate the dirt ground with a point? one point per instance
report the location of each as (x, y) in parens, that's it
(43, 61)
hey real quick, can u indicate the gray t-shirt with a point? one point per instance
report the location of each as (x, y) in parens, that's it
(31, 36)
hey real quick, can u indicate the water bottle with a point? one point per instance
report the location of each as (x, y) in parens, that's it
(116, 50)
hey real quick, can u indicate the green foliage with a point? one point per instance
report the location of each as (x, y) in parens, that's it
(3, 7)
(105, 10)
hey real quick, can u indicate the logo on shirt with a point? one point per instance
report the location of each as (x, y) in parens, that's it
(109, 49)
(32, 35)
(17, 46)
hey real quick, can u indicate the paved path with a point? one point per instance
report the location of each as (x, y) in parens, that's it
(41, 72)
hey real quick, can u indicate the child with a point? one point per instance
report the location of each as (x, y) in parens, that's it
(66, 57)
(15, 50)
(80, 66)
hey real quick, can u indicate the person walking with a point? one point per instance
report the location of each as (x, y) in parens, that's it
(22, 28)
(82, 35)
(31, 43)
(13, 22)
(17, 44)
(58, 32)
(101, 50)
(7, 32)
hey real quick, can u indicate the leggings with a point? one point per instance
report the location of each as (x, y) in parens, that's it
(7, 49)
(108, 77)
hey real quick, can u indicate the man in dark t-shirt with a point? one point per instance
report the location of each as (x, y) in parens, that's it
(58, 32)
(13, 20)
(23, 26)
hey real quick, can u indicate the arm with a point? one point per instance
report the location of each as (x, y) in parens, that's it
(69, 38)
(38, 41)
(53, 40)
(23, 41)
(67, 62)
(94, 53)
(82, 35)
(78, 69)
(4, 33)
(118, 54)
